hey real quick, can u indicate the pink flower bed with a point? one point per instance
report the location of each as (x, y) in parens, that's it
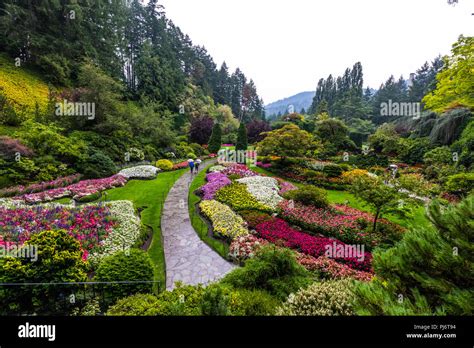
(344, 225)
(215, 182)
(286, 186)
(263, 165)
(58, 183)
(278, 230)
(245, 247)
(89, 225)
(180, 165)
(78, 190)
(238, 169)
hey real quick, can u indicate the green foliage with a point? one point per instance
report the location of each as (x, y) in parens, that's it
(90, 198)
(464, 147)
(128, 266)
(97, 165)
(215, 141)
(385, 140)
(164, 164)
(309, 195)
(438, 156)
(287, 141)
(273, 270)
(334, 135)
(256, 303)
(242, 142)
(455, 82)
(320, 299)
(412, 151)
(429, 272)
(462, 183)
(58, 260)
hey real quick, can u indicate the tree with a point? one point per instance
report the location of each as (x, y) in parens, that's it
(334, 135)
(200, 129)
(59, 260)
(255, 128)
(379, 197)
(385, 140)
(287, 141)
(215, 141)
(429, 272)
(242, 142)
(455, 80)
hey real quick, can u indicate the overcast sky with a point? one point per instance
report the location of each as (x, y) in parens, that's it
(286, 46)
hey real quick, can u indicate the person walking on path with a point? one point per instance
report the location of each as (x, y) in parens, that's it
(191, 165)
(196, 164)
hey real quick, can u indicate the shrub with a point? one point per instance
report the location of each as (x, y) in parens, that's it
(215, 140)
(97, 165)
(332, 170)
(257, 303)
(164, 164)
(273, 270)
(135, 305)
(309, 195)
(325, 298)
(90, 198)
(351, 175)
(220, 300)
(253, 217)
(462, 183)
(130, 265)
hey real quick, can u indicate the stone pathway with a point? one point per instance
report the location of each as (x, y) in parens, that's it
(188, 258)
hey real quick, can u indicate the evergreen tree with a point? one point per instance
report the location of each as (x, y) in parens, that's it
(242, 142)
(215, 141)
(429, 272)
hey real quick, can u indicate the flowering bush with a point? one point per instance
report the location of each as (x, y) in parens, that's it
(350, 176)
(263, 165)
(33, 188)
(238, 198)
(180, 165)
(286, 186)
(325, 298)
(78, 190)
(164, 164)
(215, 182)
(263, 189)
(245, 247)
(140, 172)
(225, 222)
(279, 232)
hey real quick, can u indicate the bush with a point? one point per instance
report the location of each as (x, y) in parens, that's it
(90, 198)
(462, 183)
(257, 303)
(164, 164)
(309, 195)
(97, 165)
(130, 265)
(273, 270)
(325, 298)
(220, 300)
(332, 170)
(135, 305)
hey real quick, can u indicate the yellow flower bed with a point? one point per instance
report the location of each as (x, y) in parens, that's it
(225, 222)
(350, 176)
(22, 88)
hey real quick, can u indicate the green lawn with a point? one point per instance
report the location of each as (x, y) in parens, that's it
(150, 195)
(418, 220)
(199, 225)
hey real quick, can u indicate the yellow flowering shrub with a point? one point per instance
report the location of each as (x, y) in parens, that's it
(350, 176)
(225, 222)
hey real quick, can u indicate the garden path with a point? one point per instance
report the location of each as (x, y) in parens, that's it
(188, 259)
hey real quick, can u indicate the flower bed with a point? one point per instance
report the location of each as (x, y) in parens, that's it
(180, 165)
(225, 222)
(78, 190)
(344, 223)
(238, 169)
(286, 186)
(244, 247)
(33, 188)
(100, 229)
(238, 198)
(140, 172)
(278, 231)
(216, 181)
(216, 168)
(263, 189)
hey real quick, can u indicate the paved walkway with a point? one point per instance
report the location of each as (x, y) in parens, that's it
(188, 258)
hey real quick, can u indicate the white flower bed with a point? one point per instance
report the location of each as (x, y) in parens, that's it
(144, 172)
(124, 235)
(217, 168)
(264, 189)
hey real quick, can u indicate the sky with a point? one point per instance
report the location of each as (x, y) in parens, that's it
(286, 46)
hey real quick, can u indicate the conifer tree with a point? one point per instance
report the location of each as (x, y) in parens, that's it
(242, 142)
(215, 141)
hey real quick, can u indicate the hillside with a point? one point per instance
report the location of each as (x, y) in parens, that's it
(299, 101)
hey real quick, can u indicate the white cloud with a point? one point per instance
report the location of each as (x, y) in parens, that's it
(286, 46)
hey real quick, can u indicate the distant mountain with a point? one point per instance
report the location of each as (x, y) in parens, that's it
(298, 101)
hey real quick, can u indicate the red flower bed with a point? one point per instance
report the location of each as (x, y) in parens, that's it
(278, 230)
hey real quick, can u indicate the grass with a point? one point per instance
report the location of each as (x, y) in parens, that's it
(150, 195)
(334, 196)
(198, 224)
